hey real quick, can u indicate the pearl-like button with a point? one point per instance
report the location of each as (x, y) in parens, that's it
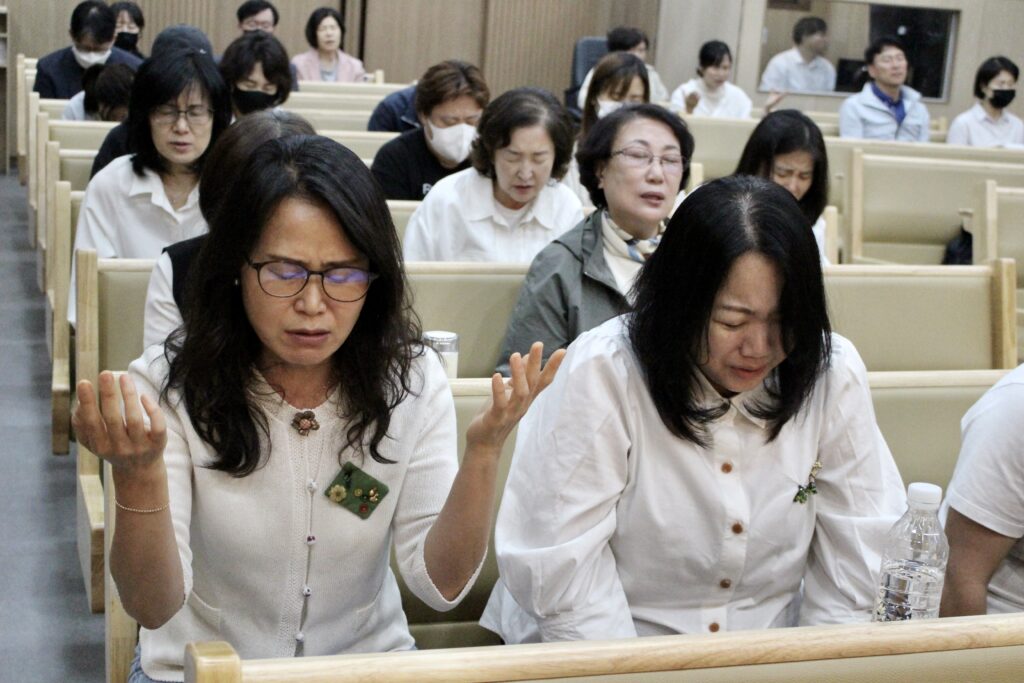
(300, 636)
(311, 486)
(311, 539)
(725, 583)
(307, 591)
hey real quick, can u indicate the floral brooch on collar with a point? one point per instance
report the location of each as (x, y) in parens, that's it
(803, 491)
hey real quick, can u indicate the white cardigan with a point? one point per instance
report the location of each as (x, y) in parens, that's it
(252, 578)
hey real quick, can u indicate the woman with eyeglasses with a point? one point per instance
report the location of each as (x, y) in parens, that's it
(140, 203)
(273, 454)
(708, 462)
(633, 162)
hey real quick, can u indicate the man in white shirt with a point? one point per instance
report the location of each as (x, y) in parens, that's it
(802, 68)
(984, 508)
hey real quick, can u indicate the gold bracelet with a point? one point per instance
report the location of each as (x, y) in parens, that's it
(139, 510)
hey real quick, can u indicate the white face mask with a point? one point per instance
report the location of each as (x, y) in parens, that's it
(87, 59)
(605, 107)
(452, 143)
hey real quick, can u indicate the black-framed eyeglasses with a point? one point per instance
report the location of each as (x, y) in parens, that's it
(196, 115)
(284, 279)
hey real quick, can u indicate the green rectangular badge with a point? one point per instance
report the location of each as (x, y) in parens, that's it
(356, 491)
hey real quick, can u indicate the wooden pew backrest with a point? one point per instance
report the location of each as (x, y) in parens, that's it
(926, 317)
(473, 299)
(401, 210)
(380, 90)
(720, 143)
(325, 100)
(919, 414)
(937, 650)
(365, 144)
(334, 119)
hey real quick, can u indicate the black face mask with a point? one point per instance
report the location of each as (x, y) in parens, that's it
(126, 41)
(1002, 98)
(248, 101)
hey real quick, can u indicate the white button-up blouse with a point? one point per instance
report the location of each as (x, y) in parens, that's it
(612, 527)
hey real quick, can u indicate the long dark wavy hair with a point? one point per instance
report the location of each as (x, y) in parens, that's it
(675, 294)
(213, 362)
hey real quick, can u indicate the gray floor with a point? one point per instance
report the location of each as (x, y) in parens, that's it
(46, 630)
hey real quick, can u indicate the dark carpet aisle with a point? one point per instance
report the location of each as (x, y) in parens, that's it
(46, 631)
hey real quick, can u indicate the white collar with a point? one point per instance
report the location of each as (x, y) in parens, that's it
(709, 397)
(151, 184)
(479, 204)
(981, 115)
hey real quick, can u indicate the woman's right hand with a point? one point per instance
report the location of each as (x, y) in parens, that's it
(125, 441)
(691, 101)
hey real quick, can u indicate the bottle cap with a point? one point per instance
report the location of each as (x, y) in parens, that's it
(923, 494)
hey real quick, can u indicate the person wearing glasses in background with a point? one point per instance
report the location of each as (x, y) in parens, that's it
(59, 74)
(887, 108)
(298, 433)
(450, 97)
(139, 203)
(633, 162)
(257, 15)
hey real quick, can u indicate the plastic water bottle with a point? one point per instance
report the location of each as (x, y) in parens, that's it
(914, 560)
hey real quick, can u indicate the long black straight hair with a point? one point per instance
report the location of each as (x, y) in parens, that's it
(675, 294)
(213, 362)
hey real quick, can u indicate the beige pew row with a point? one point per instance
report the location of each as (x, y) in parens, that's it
(906, 209)
(938, 124)
(939, 651)
(303, 99)
(918, 412)
(378, 89)
(998, 231)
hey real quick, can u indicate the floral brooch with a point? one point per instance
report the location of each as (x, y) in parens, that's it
(808, 489)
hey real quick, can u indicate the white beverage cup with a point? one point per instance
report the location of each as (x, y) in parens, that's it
(447, 346)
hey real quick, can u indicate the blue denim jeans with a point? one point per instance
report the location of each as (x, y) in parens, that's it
(135, 673)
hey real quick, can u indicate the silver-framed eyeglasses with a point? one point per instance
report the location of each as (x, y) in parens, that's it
(284, 279)
(196, 115)
(638, 157)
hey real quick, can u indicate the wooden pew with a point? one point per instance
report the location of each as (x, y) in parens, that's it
(327, 100)
(926, 317)
(473, 299)
(364, 143)
(840, 160)
(67, 205)
(379, 90)
(401, 210)
(108, 337)
(905, 209)
(937, 650)
(999, 233)
(334, 119)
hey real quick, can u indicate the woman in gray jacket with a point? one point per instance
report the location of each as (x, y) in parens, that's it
(633, 163)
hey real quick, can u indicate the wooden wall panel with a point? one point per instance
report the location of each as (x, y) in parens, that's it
(404, 37)
(530, 42)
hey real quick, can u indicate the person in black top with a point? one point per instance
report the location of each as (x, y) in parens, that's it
(396, 113)
(128, 30)
(59, 74)
(449, 99)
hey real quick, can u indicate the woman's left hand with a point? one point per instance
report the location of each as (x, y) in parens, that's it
(510, 402)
